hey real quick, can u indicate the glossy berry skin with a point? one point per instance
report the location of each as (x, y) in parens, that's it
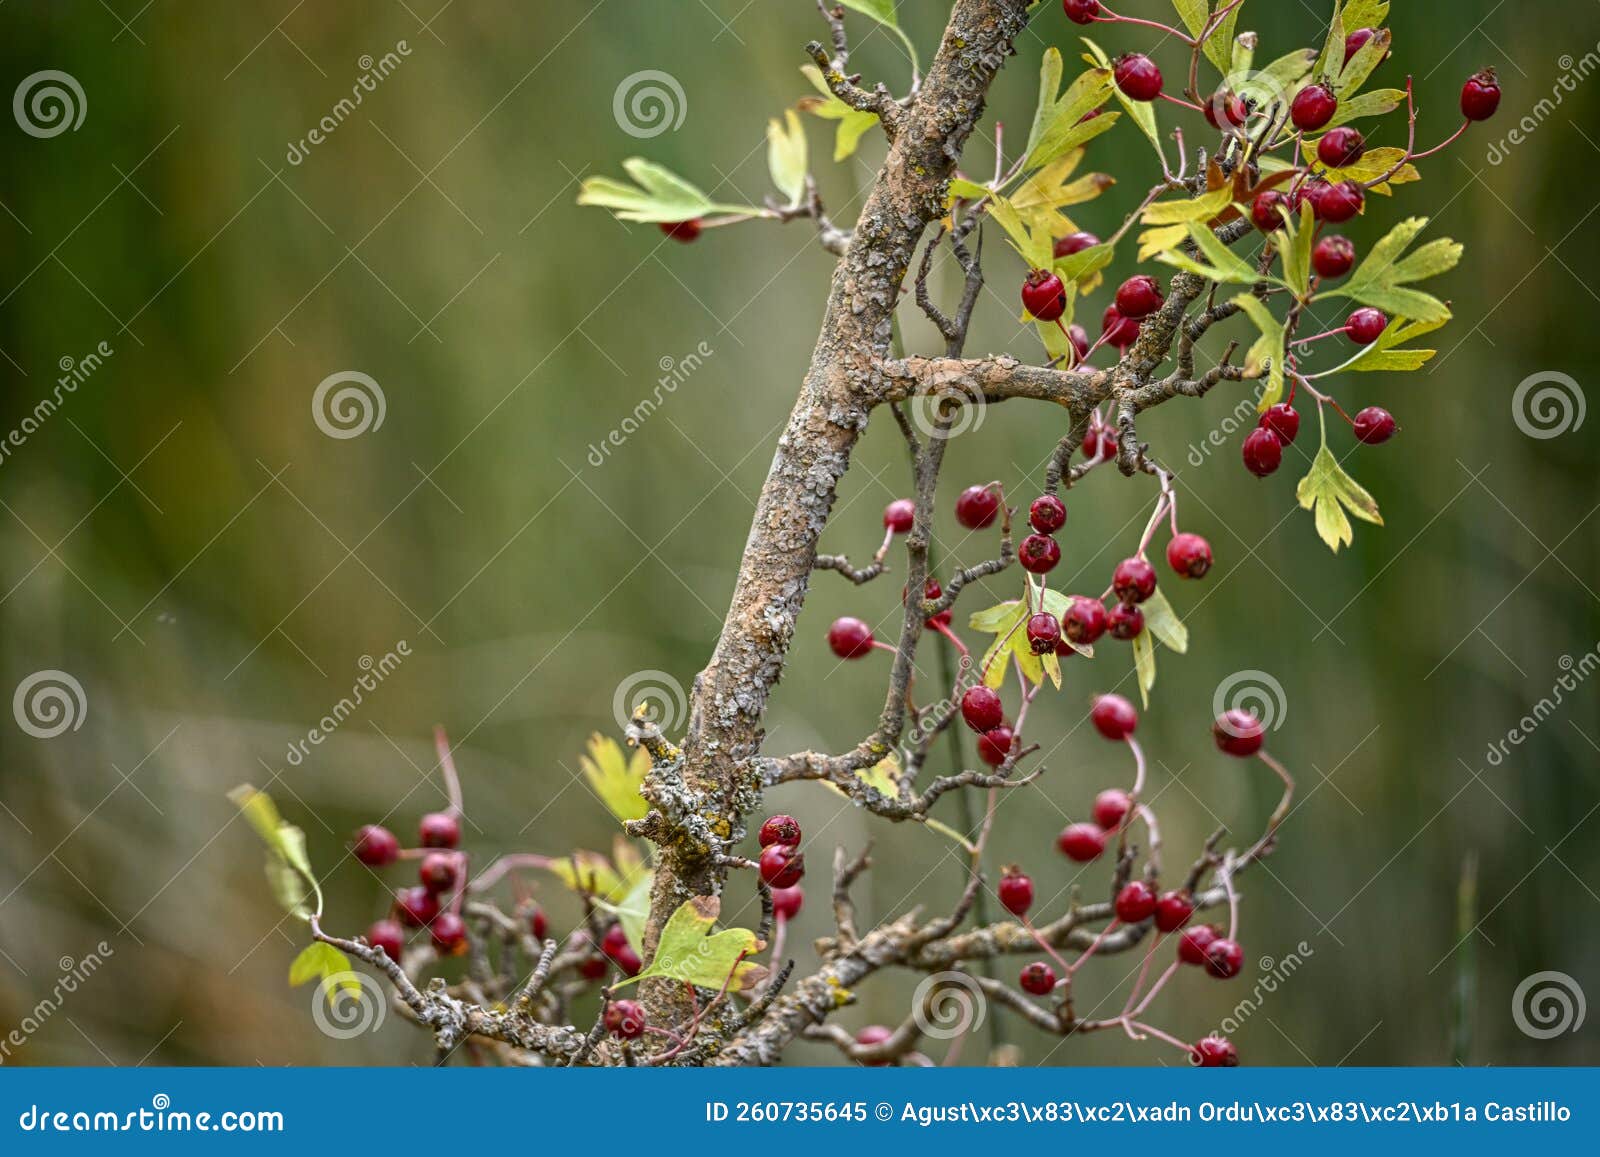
(1119, 331)
(1100, 441)
(1037, 979)
(1263, 453)
(1139, 296)
(1333, 256)
(874, 1034)
(374, 846)
(1340, 202)
(1137, 76)
(899, 515)
(786, 902)
(1365, 325)
(1341, 147)
(1016, 892)
(1085, 620)
(976, 507)
(1114, 717)
(624, 1019)
(1214, 1052)
(538, 923)
(981, 709)
(439, 830)
(1039, 554)
(1081, 11)
(416, 907)
(1173, 910)
(1074, 243)
(389, 936)
(1125, 621)
(1313, 106)
(995, 745)
(1238, 733)
(1283, 420)
(1374, 425)
(1136, 902)
(449, 933)
(1044, 296)
(780, 829)
(1224, 958)
(1081, 843)
(1044, 632)
(685, 231)
(1264, 213)
(1111, 808)
(1195, 942)
(850, 638)
(1048, 514)
(1226, 108)
(1189, 555)
(782, 866)
(1480, 96)
(1134, 580)
(437, 872)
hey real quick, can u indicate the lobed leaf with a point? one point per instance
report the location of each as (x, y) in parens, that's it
(1329, 493)
(616, 777)
(787, 156)
(685, 952)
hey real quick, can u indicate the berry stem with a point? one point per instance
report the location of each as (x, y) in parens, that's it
(1089, 951)
(1106, 16)
(1144, 972)
(1181, 103)
(1411, 140)
(1446, 143)
(1039, 939)
(1281, 812)
(447, 768)
(955, 640)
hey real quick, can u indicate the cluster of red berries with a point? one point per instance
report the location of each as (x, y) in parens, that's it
(782, 864)
(440, 872)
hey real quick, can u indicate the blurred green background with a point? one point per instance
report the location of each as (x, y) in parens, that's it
(183, 539)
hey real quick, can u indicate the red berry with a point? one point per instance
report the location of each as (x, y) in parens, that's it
(1100, 440)
(1119, 331)
(437, 872)
(439, 830)
(1215, 1052)
(1136, 902)
(1480, 96)
(685, 231)
(1263, 453)
(1193, 944)
(389, 936)
(1044, 296)
(1075, 243)
(1048, 514)
(1081, 842)
(617, 949)
(624, 1019)
(1114, 717)
(449, 933)
(1111, 808)
(1173, 910)
(374, 846)
(1238, 733)
(874, 1034)
(931, 592)
(1356, 41)
(1139, 296)
(1189, 555)
(1313, 107)
(1080, 340)
(1283, 420)
(1336, 203)
(1038, 554)
(1037, 978)
(1264, 213)
(850, 638)
(1125, 621)
(538, 924)
(782, 866)
(592, 966)
(995, 745)
(780, 830)
(899, 515)
(1374, 425)
(976, 507)
(1224, 958)
(1085, 620)
(786, 902)
(1016, 892)
(416, 906)
(1134, 580)
(1333, 256)
(1081, 11)
(1226, 108)
(1366, 326)
(981, 709)
(1138, 77)
(1341, 147)
(1044, 632)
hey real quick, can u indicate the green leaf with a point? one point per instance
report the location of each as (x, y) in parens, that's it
(1143, 112)
(1037, 248)
(1200, 209)
(880, 10)
(1226, 268)
(1295, 250)
(1365, 14)
(590, 873)
(685, 952)
(1329, 493)
(1144, 664)
(852, 122)
(289, 871)
(1077, 268)
(1362, 64)
(1194, 14)
(787, 156)
(615, 777)
(1219, 45)
(1163, 622)
(289, 887)
(324, 962)
(1058, 124)
(1378, 102)
(1374, 163)
(658, 195)
(1386, 353)
(1011, 642)
(633, 910)
(1333, 46)
(1267, 348)
(1381, 279)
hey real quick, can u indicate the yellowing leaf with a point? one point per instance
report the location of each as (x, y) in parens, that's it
(787, 157)
(590, 872)
(1058, 123)
(852, 122)
(615, 777)
(1226, 267)
(1201, 209)
(324, 962)
(658, 195)
(1144, 664)
(884, 776)
(1329, 492)
(1373, 164)
(1158, 240)
(1267, 348)
(288, 868)
(633, 910)
(684, 951)
(1163, 622)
